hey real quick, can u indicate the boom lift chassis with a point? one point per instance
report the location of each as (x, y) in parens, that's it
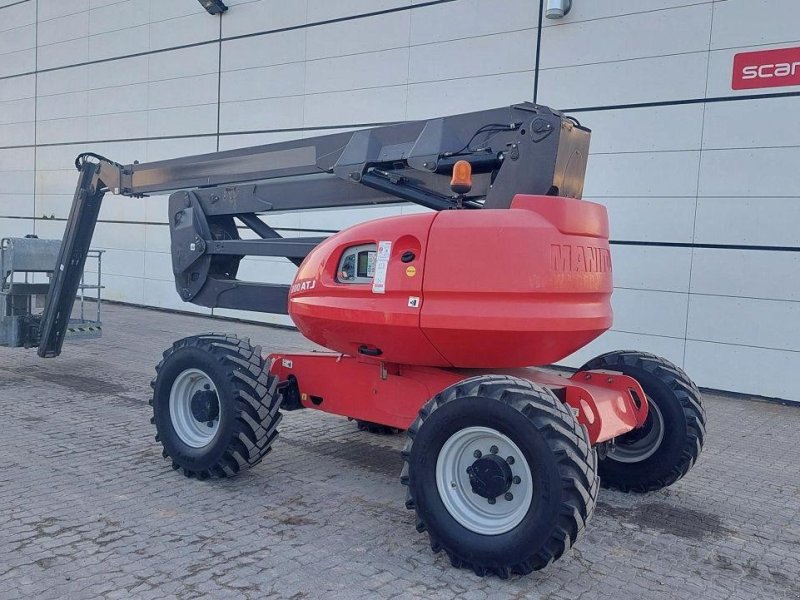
(502, 459)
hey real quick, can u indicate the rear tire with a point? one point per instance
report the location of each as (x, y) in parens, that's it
(543, 497)
(664, 449)
(215, 405)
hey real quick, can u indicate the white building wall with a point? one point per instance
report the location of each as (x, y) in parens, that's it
(700, 180)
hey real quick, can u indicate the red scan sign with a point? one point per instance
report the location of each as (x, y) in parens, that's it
(766, 68)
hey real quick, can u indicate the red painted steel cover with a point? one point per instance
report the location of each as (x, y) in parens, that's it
(485, 288)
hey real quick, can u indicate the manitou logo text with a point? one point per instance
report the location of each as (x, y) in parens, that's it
(303, 286)
(766, 68)
(566, 258)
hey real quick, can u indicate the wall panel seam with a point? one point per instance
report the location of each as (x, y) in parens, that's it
(236, 37)
(538, 54)
(697, 188)
(14, 4)
(381, 123)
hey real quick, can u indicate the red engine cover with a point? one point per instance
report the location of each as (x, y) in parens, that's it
(485, 289)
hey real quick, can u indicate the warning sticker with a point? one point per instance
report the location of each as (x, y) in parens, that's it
(411, 271)
(381, 267)
(413, 302)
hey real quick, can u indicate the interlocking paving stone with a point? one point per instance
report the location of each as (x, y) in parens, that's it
(89, 509)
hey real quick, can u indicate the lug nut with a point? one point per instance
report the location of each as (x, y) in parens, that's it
(510, 460)
(206, 387)
(477, 454)
(210, 424)
(491, 500)
(494, 450)
(452, 484)
(516, 479)
(509, 496)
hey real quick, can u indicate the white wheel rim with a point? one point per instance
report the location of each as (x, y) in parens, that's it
(190, 430)
(467, 507)
(645, 447)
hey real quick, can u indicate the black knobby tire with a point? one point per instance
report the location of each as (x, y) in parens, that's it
(248, 405)
(556, 447)
(680, 409)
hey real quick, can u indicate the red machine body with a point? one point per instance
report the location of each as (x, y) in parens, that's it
(458, 294)
(471, 289)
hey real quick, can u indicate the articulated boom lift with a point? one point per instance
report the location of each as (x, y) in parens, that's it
(435, 320)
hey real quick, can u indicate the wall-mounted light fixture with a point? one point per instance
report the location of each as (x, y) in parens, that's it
(214, 7)
(557, 9)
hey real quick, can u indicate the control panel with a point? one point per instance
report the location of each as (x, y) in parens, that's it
(357, 264)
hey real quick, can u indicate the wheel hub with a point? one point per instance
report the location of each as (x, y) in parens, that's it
(641, 443)
(484, 480)
(194, 408)
(490, 476)
(205, 406)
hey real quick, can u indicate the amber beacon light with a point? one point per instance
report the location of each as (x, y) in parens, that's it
(461, 182)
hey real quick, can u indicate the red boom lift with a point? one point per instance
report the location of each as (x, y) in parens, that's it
(435, 322)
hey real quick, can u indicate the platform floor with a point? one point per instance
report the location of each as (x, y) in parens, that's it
(89, 509)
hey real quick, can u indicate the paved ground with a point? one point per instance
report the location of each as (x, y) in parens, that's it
(88, 508)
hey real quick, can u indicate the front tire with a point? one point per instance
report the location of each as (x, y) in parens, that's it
(663, 450)
(500, 474)
(215, 405)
